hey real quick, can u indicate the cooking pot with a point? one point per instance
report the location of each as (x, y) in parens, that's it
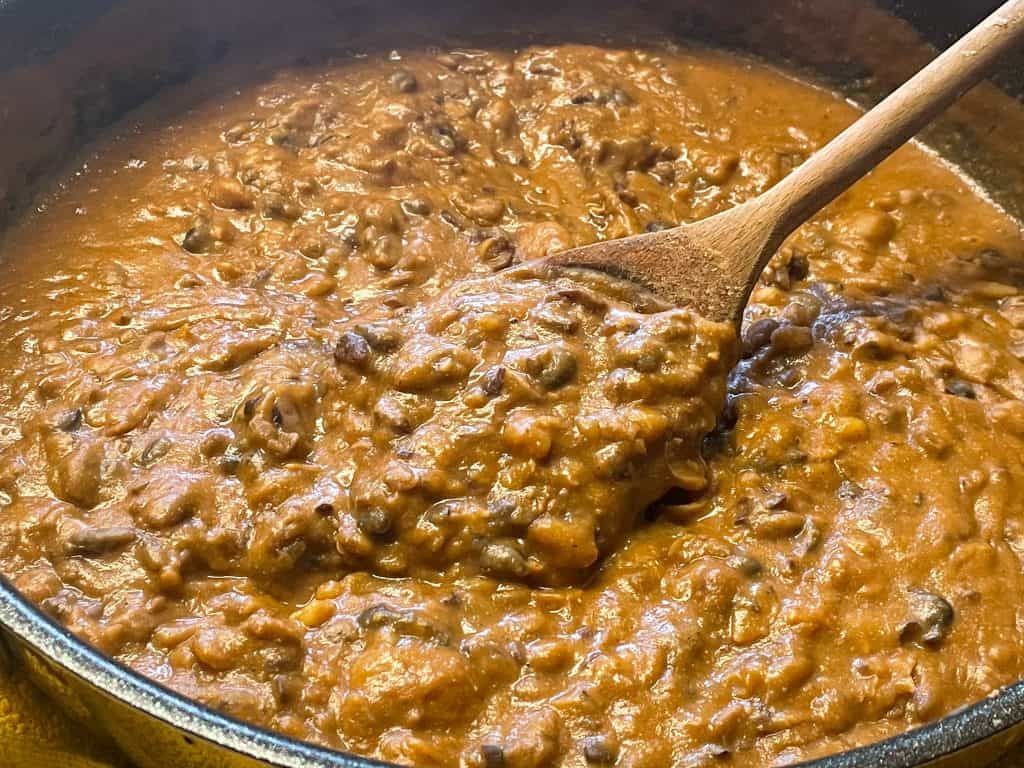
(69, 69)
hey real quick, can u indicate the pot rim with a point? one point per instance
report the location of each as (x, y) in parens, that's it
(963, 728)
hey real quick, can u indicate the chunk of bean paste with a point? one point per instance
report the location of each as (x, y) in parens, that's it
(527, 448)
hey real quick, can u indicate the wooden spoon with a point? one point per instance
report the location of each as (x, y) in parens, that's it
(713, 264)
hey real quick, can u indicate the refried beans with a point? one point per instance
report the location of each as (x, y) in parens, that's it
(292, 422)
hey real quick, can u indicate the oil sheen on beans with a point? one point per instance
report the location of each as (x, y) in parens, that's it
(291, 423)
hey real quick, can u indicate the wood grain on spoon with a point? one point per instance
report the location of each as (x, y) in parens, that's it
(713, 264)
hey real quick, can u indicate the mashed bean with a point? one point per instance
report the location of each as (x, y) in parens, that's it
(293, 421)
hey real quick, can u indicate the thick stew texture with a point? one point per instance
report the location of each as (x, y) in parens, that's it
(292, 421)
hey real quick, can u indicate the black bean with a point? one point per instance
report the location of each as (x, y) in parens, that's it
(405, 622)
(231, 460)
(380, 615)
(717, 751)
(453, 600)
(798, 267)
(381, 336)
(600, 750)
(499, 559)
(261, 277)
(324, 509)
(493, 754)
(803, 310)
(447, 60)
(445, 137)
(717, 440)
(99, 541)
(602, 96)
(70, 420)
(198, 239)
(664, 170)
(808, 538)
(493, 381)
(960, 388)
(249, 407)
(931, 618)
(849, 491)
(352, 349)
(589, 300)
(559, 369)
(614, 460)
(393, 413)
(790, 377)
(385, 252)
(404, 81)
(657, 226)
(277, 206)
(546, 68)
(375, 521)
(749, 566)
(286, 688)
(791, 339)
(478, 235)
(499, 253)
(503, 510)
(457, 221)
(730, 415)
(155, 450)
(417, 206)
(239, 131)
(992, 259)
(626, 195)
(650, 359)
(445, 142)
(621, 98)
(757, 335)
(509, 513)
(441, 513)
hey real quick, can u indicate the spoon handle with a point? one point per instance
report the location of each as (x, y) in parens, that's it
(714, 263)
(876, 135)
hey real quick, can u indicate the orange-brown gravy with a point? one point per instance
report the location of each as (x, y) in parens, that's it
(277, 431)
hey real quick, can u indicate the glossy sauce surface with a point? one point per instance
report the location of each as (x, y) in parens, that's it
(264, 444)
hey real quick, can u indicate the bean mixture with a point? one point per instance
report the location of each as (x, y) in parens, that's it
(292, 421)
